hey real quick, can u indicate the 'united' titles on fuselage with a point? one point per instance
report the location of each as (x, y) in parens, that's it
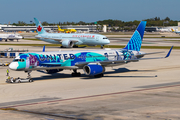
(70, 58)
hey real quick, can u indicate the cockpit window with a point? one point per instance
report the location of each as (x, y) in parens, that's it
(18, 60)
(105, 38)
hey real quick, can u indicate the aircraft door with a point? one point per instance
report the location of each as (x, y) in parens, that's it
(83, 39)
(97, 38)
(111, 55)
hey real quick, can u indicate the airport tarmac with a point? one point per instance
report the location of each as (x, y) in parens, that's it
(146, 90)
(119, 40)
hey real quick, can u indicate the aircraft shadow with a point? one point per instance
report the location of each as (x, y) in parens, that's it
(57, 76)
(61, 75)
(123, 70)
(64, 48)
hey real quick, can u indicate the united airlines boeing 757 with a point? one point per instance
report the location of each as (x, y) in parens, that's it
(69, 40)
(93, 62)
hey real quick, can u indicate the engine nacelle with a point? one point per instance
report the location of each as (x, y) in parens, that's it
(53, 71)
(67, 43)
(93, 69)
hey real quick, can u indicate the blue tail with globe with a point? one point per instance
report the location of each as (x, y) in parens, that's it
(136, 40)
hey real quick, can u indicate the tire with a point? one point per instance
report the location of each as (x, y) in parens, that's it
(99, 75)
(19, 81)
(76, 74)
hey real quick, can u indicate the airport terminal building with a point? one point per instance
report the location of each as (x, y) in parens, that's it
(79, 28)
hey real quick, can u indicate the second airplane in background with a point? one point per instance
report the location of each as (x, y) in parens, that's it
(66, 30)
(10, 37)
(70, 40)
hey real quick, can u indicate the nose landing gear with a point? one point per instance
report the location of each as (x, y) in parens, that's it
(102, 46)
(29, 73)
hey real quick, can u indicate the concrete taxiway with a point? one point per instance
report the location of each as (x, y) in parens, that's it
(148, 89)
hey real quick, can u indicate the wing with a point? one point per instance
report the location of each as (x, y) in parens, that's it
(3, 37)
(141, 55)
(114, 62)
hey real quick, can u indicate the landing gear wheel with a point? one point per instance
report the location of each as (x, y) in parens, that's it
(62, 47)
(5, 40)
(76, 74)
(75, 46)
(99, 75)
(102, 46)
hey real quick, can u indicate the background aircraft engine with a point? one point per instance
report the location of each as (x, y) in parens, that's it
(53, 71)
(93, 69)
(67, 43)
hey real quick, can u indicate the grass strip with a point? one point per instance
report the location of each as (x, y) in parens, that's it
(32, 39)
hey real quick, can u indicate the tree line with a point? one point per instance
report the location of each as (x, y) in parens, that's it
(129, 25)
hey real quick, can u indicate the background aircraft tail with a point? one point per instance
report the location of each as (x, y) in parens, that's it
(39, 27)
(59, 27)
(136, 40)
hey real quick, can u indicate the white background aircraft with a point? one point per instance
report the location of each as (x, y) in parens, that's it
(10, 37)
(69, 40)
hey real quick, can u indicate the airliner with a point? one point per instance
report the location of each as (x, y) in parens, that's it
(10, 37)
(66, 30)
(93, 62)
(69, 40)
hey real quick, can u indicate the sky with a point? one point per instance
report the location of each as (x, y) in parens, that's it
(54, 11)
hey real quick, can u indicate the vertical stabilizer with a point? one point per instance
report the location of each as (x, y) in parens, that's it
(43, 49)
(59, 27)
(39, 27)
(136, 40)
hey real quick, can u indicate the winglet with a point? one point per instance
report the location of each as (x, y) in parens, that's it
(43, 48)
(169, 52)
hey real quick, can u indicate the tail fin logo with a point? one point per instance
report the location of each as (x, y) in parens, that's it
(39, 28)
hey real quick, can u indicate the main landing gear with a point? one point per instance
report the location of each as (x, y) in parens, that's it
(62, 47)
(75, 46)
(75, 73)
(99, 75)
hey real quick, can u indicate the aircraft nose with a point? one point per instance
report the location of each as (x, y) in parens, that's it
(106, 41)
(13, 66)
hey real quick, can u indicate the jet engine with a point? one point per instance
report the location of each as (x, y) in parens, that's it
(53, 71)
(67, 43)
(93, 69)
